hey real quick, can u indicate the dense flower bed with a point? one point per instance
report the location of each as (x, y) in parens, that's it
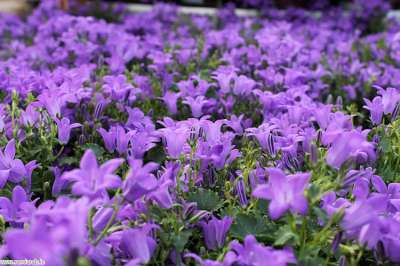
(172, 139)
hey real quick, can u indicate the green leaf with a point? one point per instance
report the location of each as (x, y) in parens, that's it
(156, 154)
(320, 214)
(314, 191)
(181, 239)
(286, 236)
(312, 261)
(262, 205)
(205, 199)
(69, 161)
(97, 149)
(253, 224)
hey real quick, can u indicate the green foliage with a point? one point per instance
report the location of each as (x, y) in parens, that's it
(388, 164)
(205, 199)
(252, 223)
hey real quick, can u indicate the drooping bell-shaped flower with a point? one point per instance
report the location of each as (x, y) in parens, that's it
(170, 99)
(64, 127)
(215, 231)
(375, 107)
(138, 244)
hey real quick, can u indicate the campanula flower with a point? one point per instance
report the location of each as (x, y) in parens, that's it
(30, 167)
(59, 182)
(101, 218)
(351, 145)
(338, 123)
(175, 140)
(241, 191)
(253, 253)
(362, 212)
(235, 123)
(53, 103)
(138, 244)
(243, 85)
(46, 245)
(57, 228)
(161, 195)
(29, 116)
(225, 80)
(215, 231)
(196, 104)
(19, 209)
(331, 204)
(91, 179)
(206, 262)
(109, 138)
(390, 98)
(122, 139)
(117, 87)
(64, 127)
(137, 120)
(375, 108)
(265, 135)
(284, 192)
(140, 143)
(10, 168)
(117, 138)
(139, 181)
(170, 99)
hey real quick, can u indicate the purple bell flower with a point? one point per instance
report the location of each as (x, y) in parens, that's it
(10, 168)
(91, 179)
(109, 138)
(138, 244)
(350, 145)
(64, 129)
(30, 116)
(253, 253)
(175, 140)
(376, 109)
(215, 231)
(139, 180)
(19, 209)
(170, 99)
(390, 98)
(196, 105)
(284, 192)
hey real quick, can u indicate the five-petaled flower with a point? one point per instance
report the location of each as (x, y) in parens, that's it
(285, 192)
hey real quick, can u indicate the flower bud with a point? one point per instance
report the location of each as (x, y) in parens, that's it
(241, 192)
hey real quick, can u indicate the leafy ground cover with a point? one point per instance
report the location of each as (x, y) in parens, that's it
(164, 138)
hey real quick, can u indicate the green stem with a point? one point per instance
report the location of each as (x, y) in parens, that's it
(59, 153)
(90, 224)
(303, 232)
(110, 222)
(13, 114)
(359, 256)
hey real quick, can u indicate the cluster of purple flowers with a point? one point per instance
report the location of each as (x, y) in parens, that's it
(166, 138)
